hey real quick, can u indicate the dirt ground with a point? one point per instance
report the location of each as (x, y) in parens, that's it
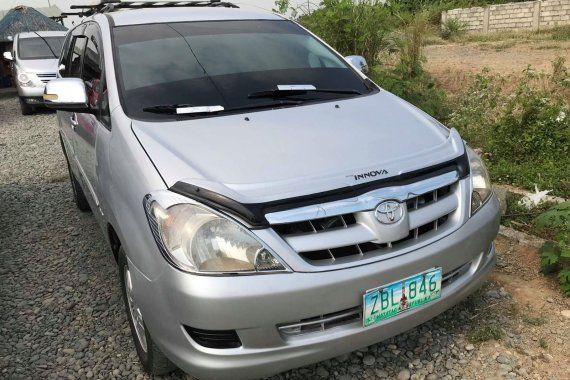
(537, 331)
(451, 64)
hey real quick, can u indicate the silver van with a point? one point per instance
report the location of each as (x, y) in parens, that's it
(268, 205)
(34, 60)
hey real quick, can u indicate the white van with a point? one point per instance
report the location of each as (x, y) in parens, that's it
(34, 63)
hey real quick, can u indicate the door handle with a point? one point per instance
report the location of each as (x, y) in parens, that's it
(74, 122)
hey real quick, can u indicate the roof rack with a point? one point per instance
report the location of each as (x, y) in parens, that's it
(112, 5)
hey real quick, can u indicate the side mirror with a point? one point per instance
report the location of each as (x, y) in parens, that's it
(67, 94)
(8, 56)
(358, 62)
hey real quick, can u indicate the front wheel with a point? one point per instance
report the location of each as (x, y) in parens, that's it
(25, 107)
(150, 356)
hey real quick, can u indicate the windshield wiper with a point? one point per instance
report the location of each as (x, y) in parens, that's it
(49, 47)
(174, 109)
(285, 91)
(181, 109)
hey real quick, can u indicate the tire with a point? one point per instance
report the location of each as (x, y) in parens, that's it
(152, 359)
(26, 108)
(78, 194)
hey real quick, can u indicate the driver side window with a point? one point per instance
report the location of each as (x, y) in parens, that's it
(76, 58)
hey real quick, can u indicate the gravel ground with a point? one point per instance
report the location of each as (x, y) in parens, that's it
(61, 315)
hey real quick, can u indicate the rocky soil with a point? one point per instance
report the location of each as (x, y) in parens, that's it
(61, 315)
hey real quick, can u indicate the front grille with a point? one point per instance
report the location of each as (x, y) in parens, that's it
(348, 236)
(353, 315)
(47, 77)
(214, 338)
(316, 225)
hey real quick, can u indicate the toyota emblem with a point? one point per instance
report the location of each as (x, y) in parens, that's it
(389, 212)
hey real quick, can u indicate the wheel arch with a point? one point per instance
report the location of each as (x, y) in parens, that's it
(114, 241)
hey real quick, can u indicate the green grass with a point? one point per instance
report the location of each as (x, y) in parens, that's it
(549, 175)
(561, 33)
(534, 321)
(547, 47)
(485, 332)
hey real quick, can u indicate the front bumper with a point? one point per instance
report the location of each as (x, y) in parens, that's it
(255, 305)
(36, 92)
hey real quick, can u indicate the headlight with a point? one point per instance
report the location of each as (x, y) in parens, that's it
(197, 240)
(24, 79)
(480, 181)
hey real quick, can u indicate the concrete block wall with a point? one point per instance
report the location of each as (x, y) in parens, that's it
(472, 17)
(513, 16)
(554, 13)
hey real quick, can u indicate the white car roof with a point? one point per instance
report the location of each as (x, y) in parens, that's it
(43, 34)
(179, 14)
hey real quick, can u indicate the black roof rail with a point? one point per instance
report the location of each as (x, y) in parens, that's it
(112, 5)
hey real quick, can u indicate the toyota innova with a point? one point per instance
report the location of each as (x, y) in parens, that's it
(268, 205)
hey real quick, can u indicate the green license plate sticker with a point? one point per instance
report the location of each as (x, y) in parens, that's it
(392, 299)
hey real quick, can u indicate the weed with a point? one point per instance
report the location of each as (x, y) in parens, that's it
(555, 254)
(453, 28)
(543, 343)
(546, 47)
(485, 332)
(561, 33)
(411, 43)
(513, 310)
(535, 321)
(504, 45)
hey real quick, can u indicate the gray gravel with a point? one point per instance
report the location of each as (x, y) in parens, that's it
(61, 315)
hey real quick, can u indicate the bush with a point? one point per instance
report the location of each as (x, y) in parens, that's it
(453, 28)
(561, 33)
(526, 134)
(361, 27)
(420, 91)
(474, 112)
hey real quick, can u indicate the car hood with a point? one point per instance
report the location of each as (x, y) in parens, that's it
(38, 65)
(277, 154)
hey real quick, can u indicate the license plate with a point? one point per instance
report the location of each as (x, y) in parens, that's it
(395, 298)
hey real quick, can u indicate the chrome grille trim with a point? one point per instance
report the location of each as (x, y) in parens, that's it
(353, 315)
(322, 323)
(424, 215)
(46, 77)
(350, 237)
(365, 202)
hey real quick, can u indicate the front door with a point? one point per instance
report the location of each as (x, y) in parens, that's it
(90, 130)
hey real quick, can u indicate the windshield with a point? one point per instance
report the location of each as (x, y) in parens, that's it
(222, 63)
(36, 48)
